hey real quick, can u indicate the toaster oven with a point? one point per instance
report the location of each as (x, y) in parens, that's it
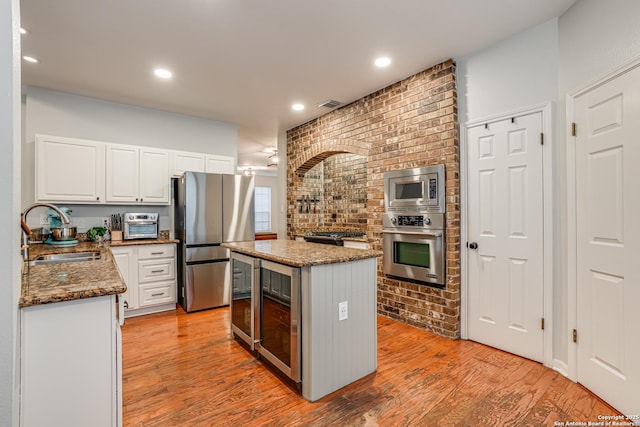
(140, 226)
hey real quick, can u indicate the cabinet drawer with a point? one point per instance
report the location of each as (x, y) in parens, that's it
(156, 251)
(157, 293)
(155, 270)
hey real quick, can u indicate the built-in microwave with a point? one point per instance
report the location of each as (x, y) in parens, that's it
(416, 189)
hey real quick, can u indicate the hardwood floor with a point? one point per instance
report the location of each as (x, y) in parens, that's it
(185, 370)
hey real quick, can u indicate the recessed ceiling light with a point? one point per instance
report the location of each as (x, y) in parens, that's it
(162, 73)
(297, 107)
(383, 61)
(24, 31)
(30, 59)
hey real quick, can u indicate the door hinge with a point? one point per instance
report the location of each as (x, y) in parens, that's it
(575, 336)
(574, 129)
(542, 323)
(541, 138)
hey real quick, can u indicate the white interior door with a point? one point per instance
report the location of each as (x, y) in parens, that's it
(607, 148)
(505, 221)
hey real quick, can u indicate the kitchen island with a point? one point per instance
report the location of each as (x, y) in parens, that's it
(336, 306)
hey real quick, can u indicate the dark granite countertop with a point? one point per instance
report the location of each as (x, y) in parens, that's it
(300, 254)
(44, 284)
(68, 281)
(139, 242)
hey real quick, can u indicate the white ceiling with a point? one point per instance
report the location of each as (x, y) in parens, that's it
(247, 61)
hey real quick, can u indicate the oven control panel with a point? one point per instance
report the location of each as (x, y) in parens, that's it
(410, 220)
(416, 221)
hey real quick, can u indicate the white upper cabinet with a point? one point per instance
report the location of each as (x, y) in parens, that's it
(122, 173)
(137, 175)
(154, 176)
(219, 164)
(91, 172)
(69, 170)
(182, 161)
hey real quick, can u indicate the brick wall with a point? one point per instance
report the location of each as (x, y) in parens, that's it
(411, 123)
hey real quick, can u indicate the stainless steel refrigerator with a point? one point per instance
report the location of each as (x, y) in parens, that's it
(209, 209)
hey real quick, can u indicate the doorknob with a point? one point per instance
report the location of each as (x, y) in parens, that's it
(473, 245)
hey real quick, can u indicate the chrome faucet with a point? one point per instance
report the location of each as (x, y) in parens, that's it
(25, 238)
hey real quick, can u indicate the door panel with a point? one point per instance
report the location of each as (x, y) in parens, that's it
(238, 214)
(608, 236)
(505, 219)
(202, 208)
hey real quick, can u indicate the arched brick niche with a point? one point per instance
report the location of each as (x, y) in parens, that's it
(411, 123)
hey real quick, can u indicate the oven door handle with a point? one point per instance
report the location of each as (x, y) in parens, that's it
(414, 233)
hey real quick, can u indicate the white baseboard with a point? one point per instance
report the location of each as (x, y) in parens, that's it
(561, 367)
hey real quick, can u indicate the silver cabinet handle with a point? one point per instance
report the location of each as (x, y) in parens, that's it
(157, 253)
(157, 295)
(157, 271)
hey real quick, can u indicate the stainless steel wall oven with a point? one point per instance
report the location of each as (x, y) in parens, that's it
(414, 234)
(414, 247)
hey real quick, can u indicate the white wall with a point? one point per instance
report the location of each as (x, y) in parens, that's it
(520, 72)
(595, 37)
(9, 208)
(282, 186)
(63, 114)
(543, 64)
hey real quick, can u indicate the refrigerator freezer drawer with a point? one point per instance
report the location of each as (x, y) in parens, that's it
(154, 270)
(207, 285)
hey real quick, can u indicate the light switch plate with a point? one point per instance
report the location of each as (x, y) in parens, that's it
(343, 311)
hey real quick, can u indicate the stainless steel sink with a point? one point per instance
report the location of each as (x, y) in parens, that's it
(68, 257)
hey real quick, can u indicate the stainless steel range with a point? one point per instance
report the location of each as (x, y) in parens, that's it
(330, 237)
(414, 238)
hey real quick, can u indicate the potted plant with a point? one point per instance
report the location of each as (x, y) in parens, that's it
(97, 233)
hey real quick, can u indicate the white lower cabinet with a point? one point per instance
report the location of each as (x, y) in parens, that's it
(71, 364)
(150, 274)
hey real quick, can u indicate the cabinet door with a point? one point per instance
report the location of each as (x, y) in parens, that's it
(125, 260)
(183, 161)
(220, 164)
(154, 176)
(69, 364)
(69, 170)
(122, 173)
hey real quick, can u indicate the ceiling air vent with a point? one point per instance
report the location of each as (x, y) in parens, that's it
(332, 103)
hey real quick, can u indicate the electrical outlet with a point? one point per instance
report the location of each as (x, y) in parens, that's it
(343, 311)
(78, 222)
(44, 219)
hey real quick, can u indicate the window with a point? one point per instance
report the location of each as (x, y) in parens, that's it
(263, 209)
